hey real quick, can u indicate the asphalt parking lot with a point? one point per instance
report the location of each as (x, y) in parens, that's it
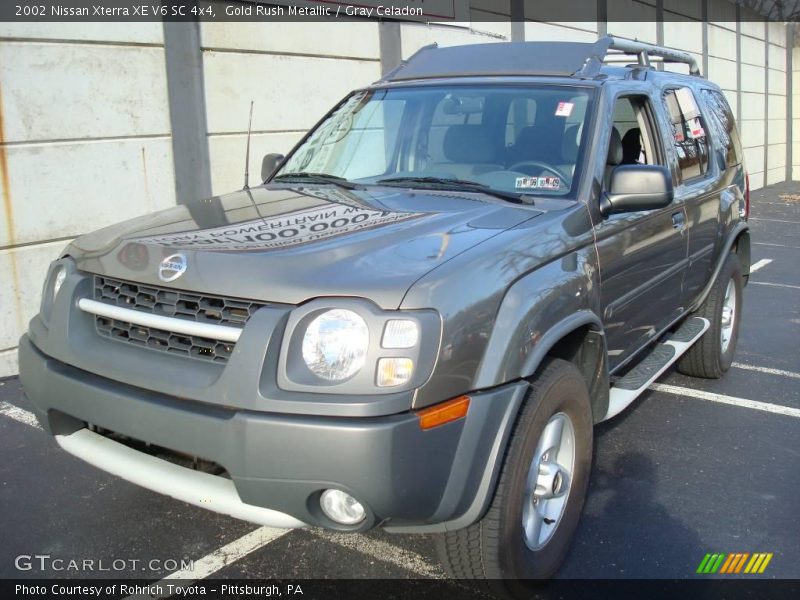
(690, 468)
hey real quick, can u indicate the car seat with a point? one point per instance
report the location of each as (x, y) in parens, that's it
(470, 150)
(614, 157)
(631, 146)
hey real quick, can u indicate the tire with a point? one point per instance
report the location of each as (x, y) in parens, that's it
(710, 357)
(495, 547)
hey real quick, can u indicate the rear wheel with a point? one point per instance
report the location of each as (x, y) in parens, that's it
(531, 520)
(712, 355)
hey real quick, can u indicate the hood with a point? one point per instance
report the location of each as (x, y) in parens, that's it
(288, 244)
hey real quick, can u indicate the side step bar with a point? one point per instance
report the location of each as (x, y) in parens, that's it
(628, 388)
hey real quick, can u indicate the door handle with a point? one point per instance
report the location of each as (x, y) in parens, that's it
(679, 221)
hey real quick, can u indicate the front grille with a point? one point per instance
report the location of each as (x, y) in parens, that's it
(203, 308)
(167, 341)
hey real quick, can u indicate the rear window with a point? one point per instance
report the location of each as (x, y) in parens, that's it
(723, 126)
(688, 131)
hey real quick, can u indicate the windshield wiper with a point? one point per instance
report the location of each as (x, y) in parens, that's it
(445, 183)
(306, 177)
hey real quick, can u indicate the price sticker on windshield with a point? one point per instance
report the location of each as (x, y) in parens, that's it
(564, 109)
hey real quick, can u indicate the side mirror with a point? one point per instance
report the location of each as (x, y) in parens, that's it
(637, 187)
(270, 164)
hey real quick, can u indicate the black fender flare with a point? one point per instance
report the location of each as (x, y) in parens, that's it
(736, 232)
(555, 334)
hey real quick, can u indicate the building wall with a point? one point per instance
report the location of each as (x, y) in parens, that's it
(776, 99)
(85, 142)
(294, 72)
(795, 114)
(85, 131)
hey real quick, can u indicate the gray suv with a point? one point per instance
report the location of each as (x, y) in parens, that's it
(416, 320)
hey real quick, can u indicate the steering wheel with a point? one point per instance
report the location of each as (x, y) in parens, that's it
(541, 165)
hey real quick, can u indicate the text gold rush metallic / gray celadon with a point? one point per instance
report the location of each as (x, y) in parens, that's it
(492, 240)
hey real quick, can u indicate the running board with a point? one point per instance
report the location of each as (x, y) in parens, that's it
(627, 389)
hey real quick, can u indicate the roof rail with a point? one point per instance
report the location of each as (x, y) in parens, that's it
(644, 52)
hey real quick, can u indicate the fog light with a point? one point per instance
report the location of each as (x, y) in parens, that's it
(341, 507)
(394, 371)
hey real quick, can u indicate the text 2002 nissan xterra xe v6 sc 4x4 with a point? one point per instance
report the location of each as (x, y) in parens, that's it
(416, 321)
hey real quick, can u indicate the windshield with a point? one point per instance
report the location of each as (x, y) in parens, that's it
(520, 140)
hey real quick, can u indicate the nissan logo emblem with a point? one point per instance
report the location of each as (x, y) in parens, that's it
(172, 267)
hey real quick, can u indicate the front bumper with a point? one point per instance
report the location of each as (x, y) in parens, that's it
(407, 479)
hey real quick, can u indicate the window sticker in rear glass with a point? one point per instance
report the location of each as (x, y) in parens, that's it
(696, 128)
(539, 183)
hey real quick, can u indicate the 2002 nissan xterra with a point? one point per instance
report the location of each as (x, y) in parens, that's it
(417, 319)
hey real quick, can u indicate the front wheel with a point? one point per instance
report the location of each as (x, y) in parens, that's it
(531, 520)
(712, 355)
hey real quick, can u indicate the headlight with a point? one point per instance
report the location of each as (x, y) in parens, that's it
(351, 346)
(335, 344)
(58, 279)
(52, 284)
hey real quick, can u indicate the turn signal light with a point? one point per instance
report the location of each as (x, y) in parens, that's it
(452, 410)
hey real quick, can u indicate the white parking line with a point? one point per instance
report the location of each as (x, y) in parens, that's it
(780, 285)
(760, 264)
(766, 370)
(383, 551)
(775, 220)
(775, 245)
(777, 409)
(19, 414)
(219, 559)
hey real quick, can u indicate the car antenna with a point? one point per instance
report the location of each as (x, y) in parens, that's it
(247, 154)
(246, 187)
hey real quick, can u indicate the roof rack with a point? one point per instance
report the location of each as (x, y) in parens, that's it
(555, 59)
(644, 52)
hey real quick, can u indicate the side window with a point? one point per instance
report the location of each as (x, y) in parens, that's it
(688, 132)
(635, 131)
(723, 126)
